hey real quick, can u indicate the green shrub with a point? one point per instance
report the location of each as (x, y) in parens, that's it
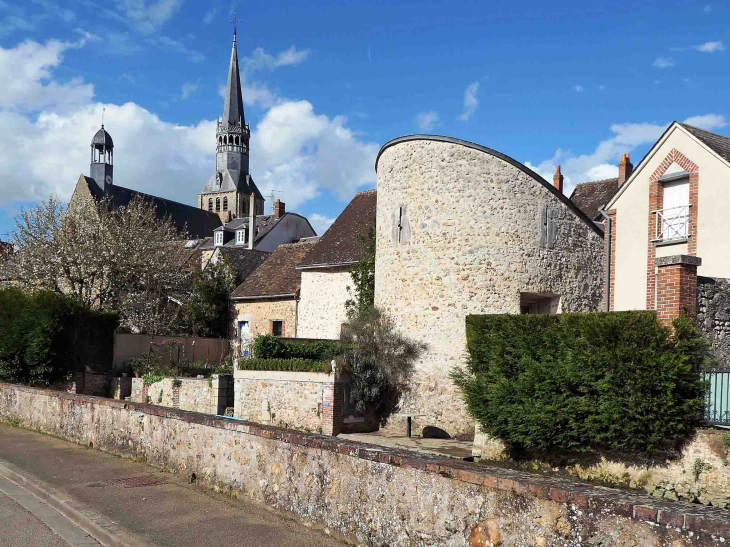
(45, 336)
(584, 381)
(290, 365)
(267, 346)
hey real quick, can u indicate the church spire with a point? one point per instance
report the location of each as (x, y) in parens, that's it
(233, 106)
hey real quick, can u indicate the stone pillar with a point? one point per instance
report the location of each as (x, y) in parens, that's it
(218, 393)
(333, 400)
(676, 286)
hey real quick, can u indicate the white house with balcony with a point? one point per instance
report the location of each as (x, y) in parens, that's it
(666, 224)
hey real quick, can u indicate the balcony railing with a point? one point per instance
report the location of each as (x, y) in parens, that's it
(672, 224)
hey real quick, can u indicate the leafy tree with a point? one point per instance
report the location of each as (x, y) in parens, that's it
(116, 258)
(363, 276)
(207, 310)
(379, 359)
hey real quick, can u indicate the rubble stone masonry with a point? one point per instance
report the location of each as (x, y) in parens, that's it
(368, 494)
(462, 230)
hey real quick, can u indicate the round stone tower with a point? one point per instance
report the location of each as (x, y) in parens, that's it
(463, 229)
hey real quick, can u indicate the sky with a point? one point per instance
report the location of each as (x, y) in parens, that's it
(326, 83)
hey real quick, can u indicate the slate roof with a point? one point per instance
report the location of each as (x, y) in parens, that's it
(278, 274)
(233, 181)
(589, 197)
(719, 143)
(341, 243)
(245, 262)
(103, 138)
(264, 225)
(199, 223)
(233, 105)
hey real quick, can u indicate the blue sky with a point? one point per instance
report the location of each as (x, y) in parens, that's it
(326, 83)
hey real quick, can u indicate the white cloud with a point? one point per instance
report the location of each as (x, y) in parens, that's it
(188, 88)
(663, 62)
(470, 101)
(25, 71)
(320, 223)
(710, 47)
(602, 163)
(259, 59)
(707, 121)
(147, 16)
(294, 149)
(208, 19)
(426, 121)
(578, 88)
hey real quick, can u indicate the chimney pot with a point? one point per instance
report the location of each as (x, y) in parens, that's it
(558, 180)
(279, 209)
(625, 168)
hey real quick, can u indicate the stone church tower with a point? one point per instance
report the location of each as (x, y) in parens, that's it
(228, 192)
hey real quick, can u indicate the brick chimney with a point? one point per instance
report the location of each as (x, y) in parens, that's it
(279, 209)
(625, 168)
(558, 180)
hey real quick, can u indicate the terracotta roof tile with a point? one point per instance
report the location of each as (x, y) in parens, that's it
(341, 243)
(278, 274)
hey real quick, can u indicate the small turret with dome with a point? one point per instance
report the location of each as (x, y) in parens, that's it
(102, 159)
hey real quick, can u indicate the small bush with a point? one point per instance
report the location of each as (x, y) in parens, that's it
(584, 381)
(267, 346)
(290, 365)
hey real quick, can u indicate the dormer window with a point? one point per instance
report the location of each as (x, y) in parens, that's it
(218, 238)
(240, 237)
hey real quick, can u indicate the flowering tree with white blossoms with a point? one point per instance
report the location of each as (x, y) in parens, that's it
(116, 258)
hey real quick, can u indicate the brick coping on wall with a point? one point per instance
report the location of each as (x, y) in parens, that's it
(695, 518)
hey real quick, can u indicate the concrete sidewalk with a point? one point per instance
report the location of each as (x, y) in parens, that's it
(168, 513)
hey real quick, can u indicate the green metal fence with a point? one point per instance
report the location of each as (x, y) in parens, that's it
(717, 405)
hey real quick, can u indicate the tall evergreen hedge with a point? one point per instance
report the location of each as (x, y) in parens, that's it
(578, 382)
(44, 336)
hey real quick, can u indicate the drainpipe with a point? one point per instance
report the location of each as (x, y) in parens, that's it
(251, 222)
(608, 259)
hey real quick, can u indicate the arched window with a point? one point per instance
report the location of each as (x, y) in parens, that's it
(237, 140)
(210, 204)
(225, 204)
(217, 204)
(220, 140)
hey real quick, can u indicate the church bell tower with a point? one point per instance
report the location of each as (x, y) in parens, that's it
(228, 191)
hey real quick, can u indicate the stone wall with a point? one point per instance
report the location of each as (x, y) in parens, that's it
(713, 315)
(322, 305)
(289, 399)
(368, 494)
(465, 231)
(208, 396)
(698, 473)
(260, 313)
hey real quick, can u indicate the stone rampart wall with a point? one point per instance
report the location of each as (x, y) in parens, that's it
(463, 231)
(368, 494)
(713, 315)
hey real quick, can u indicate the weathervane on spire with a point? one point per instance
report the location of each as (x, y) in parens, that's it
(102, 116)
(235, 22)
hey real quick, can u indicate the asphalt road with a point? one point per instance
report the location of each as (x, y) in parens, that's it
(19, 528)
(172, 513)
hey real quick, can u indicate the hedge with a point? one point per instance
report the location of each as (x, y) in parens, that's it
(616, 381)
(46, 336)
(267, 346)
(290, 365)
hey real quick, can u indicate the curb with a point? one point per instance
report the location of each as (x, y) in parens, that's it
(97, 526)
